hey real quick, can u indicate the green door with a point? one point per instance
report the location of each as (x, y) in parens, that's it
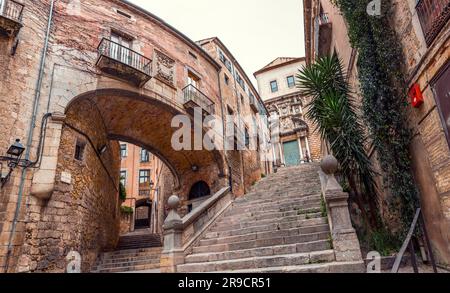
(291, 153)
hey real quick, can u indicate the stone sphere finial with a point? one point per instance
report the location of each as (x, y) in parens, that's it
(173, 202)
(329, 165)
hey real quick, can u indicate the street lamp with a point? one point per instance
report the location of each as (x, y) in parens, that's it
(13, 159)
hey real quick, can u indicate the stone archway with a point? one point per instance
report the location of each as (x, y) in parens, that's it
(82, 211)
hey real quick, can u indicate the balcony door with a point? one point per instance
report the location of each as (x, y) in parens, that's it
(193, 80)
(120, 49)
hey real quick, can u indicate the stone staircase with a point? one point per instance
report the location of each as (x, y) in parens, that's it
(138, 251)
(278, 227)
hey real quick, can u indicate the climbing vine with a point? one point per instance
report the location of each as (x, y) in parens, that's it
(382, 82)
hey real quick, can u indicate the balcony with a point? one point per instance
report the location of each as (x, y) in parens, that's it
(144, 192)
(254, 104)
(325, 34)
(10, 17)
(433, 15)
(194, 98)
(124, 63)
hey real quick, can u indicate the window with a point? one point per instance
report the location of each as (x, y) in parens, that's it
(123, 151)
(227, 79)
(123, 177)
(230, 111)
(145, 156)
(240, 81)
(242, 99)
(291, 81)
(144, 177)
(225, 61)
(274, 86)
(247, 138)
(192, 55)
(79, 150)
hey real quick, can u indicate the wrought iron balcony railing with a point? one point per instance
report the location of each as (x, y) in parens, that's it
(433, 15)
(10, 16)
(118, 60)
(193, 97)
(144, 192)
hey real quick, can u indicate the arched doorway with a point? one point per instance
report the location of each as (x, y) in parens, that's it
(199, 191)
(143, 214)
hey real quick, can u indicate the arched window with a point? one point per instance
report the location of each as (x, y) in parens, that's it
(199, 189)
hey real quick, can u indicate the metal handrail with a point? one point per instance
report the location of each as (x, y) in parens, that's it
(124, 55)
(418, 219)
(191, 93)
(12, 10)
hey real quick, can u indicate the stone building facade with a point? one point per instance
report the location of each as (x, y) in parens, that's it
(141, 174)
(243, 102)
(424, 36)
(299, 142)
(77, 78)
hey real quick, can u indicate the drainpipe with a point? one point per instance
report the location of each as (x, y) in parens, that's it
(37, 96)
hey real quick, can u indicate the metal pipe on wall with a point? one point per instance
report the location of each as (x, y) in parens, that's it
(31, 130)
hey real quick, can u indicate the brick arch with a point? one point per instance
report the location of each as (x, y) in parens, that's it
(144, 119)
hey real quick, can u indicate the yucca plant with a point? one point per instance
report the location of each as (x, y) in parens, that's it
(333, 111)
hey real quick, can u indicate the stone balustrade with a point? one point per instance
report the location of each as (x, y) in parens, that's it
(345, 240)
(181, 234)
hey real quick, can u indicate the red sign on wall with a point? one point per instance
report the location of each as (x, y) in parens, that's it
(415, 94)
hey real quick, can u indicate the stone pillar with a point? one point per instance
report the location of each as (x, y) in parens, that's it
(308, 149)
(345, 241)
(302, 158)
(173, 253)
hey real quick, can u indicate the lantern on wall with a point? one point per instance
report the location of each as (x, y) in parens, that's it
(415, 94)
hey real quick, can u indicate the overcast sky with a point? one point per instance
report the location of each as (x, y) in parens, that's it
(255, 31)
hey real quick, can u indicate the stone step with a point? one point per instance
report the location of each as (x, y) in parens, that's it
(236, 224)
(262, 242)
(333, 267)
(106, 265)
(260, 251)
(134, 252)
(257, 216)
(128, 268)
(246, 202)
(111, 260)
(280, 225)
(261, 210)
(276, 202)
(261, 230)
(260, 262)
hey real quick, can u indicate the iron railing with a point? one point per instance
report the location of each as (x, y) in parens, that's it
(11, 9)
(433, 15)
(125, 56)
(144, 192)
(417, 223)
(193, 94)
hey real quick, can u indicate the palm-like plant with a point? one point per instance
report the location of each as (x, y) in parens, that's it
(333, 111)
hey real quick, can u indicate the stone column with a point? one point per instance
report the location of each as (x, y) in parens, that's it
(345, 241)
(302, 158)
(173, 253)
(308, 149)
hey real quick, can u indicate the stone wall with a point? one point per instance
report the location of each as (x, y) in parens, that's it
(82, 214)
